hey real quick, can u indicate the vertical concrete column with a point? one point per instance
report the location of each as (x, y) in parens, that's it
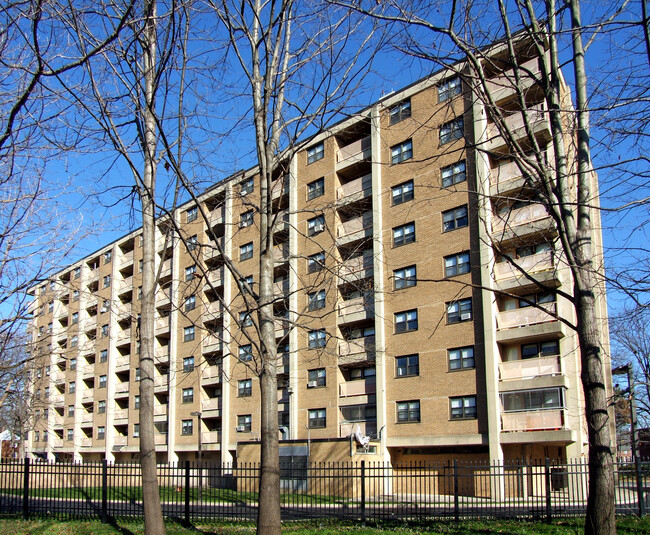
(174, 364)
(111, 379)
(293, 297)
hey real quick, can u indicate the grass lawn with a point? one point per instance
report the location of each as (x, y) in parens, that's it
(628, 525)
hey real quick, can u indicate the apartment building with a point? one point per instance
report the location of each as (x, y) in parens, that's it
(399, 314)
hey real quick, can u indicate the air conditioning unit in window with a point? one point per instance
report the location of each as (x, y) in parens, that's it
(312, 384)
(466, 316)
(241, 428)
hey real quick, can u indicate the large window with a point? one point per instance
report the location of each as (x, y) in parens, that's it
(244, 423)
(315, 153)
(187, 427)
(316, 377)
(317, 300)
(245, 388)
(246, 251)
(453, 219)
(316, 189)
(246, 219)
(405, 277)
(404, 234)
(456, 264)
(451, 131)
(188, 395)
(402, 193)
(408, 365)
(532, 400)
(453, 174)
(406, 321)
(317, 338)
(400, 111)
(315, 225)
(315, 262)
(359, 413)
(449, 89)
(460, 310)
(461, 408)
(188, 333)
(317, 418)
(461, 358)
(245, 353)
(402, 152)
(550, 348)
(408, 411)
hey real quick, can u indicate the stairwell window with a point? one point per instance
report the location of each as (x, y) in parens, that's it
(449, 89)
(188, 395)
(188, 333)
(187, 427)
(190, 303)
(400, 111)
(188, 364)
(458, 311)
(315, 262)
(402, 152)
(454, 219)
(317, 339)
(246, 353)
(315, 153)
(402, 193)
(192, 214)
(246, 219)
(317, 300)
(406, 321)
(452, 131)
(453, 174)
(247, 186)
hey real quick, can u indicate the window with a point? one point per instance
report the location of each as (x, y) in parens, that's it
(315, 225)
(101, 432)
(36, 436)
(72, 386)
(530, 250)
(246, 251)
(140, 265)
(188, 395)
(317, 300)
(245, 319)
(70, 434)
(404, 235)
(45, 435)
(136, 430)
(192, 243)
(73, 364)
(315, 153)
(107, 281)
(108, 257)
(103, 355)
(536, 350)
(190, 272)
(136, 402)
(317, 339)
(449, 89)
(74, 341)
(456, 264)
(106, 306)
(408, 411)
(75, 295)
(462, 407)
(77, 272)
(405, 277)
(41, 330)
(137, 374)
(46, 392)
(532, 400)
(101, 407)
(453, 219)
(317, 418)
(402, 193)
(451, 131)
(70, 411)
(245, 388)
(359, 413)
(50, 307)
(461, 358)
(406, 321)
(315, 262)
(402, 152)
(247, 186)
(316, 189)
(453, 174)
(188, 334)
(358, 374)
(400, 111)
(316, 377)
(407, 365)
(244, 423)
(188, 364)
(538, 299)
(75, 317)
(247, 282)
(246, 352)
(246, 219)
(52, 285)
(105, 330)
(192, 214)
(460, 310)
(190, 303)
(102, 381)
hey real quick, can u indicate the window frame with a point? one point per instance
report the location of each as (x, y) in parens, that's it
(187, 428)
(447, 89)
(187, 394)
(410, 369)
(316, 300)
(407, 236)
(316, 188)
(318, 376)
(316, 225)
(246, 186)
(466, 412)
(246, 251)
(190, 303)
(451, 316)
(452, 131)
(317, 338)
(457, 219)
(454, 174)
(401, 152)
(405, 280)
(315, 153)
(103, 381)
(411, 408)
(462, 359)
(400, 196)
(400, 111)
(314, 262)
(101, 407)
(453, 270)
(189, 333)
(409, 323)
(101, 432)
(245, 351)
(245, 421)
(190, 272)
(191, 214)
(244, 388)
(246, 219)
(317, 418)
(188, 364)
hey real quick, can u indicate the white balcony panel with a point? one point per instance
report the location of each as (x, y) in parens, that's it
(522, 317)
(529, 368)
(532, 420)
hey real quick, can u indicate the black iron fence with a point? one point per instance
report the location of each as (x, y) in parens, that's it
(355, 491)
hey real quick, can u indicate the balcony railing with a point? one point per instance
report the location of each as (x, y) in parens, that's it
(86, 442)
(216, 277)
(356, 225)
(355, 187)
(523, 317)
(212, 404)
(354, 152)
(211, 343)
(281, 287)
(166, 269)
(217, 215)
(529, 368)
(160, 409)
(357, 388)
(121, 414)
(356, 268)
(530, 264)
(279, 187)
(211, 437)
(358, 345)
(211, 373)
(281, 253)
(122, 361)
(162, 325)
(505, 83)
(213, 249)
(537, 118)
(213, 310)
(537, 420)
(519, 216)
(160, 381)
(160, 439)
(366, 428)
(120, 440)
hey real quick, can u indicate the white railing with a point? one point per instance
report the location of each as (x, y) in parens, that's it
(366, 428)
(357, 388)
(211, 437)
(354, 152)
(121, 414)
(519, 216)
(357, 224)
(281, 252)
(530, 264)
(358, 345)
(536, 115)
(211, 372)
(356, 265)
(522, 317)
(212, 404)
(281, 287)
(356, 305)
(355, 186)
(529, 368)
(536, 420)
(120, 440)
(527, 72)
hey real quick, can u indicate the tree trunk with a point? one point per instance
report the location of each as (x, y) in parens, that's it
(153, 519)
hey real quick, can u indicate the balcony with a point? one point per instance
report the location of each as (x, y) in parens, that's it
(123, 337)
(282, 326)
(122, 389)
(214, 278)
(122, 362)
(366, 428)
(124, 285)
(357, 351)
(504, 85)
(211, 407)
(121, 416)
(281, 222)
(356, 392)
(519, 222)
(161, 382)
(355, 190)
(211, 375)
(357, 268)
(523, 317)
(354, 229)
(279, 188)
(213, 311)
(160, 410)
(162, 325)
(529, 368)
(211, 437)
(213, 249)
(281, 287)
(530, 264)
(537, 119)
(356, 309)
(120, 440)
(160, 439)
(86, 419)
(211, 344)
(85, 442)
(163, 297)
(353, 153)
(281, 253)
(126, 259)
(166, 269)
(538, 420)
(161, 353)
(217, 216)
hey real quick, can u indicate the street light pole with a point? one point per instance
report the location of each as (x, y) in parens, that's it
(200, 455)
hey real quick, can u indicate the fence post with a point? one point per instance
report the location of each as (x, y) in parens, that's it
(547, 481)
(187, 492)
(363, 493)
(639, 485)
(26, 490)
(104, 491)
(456, 501)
